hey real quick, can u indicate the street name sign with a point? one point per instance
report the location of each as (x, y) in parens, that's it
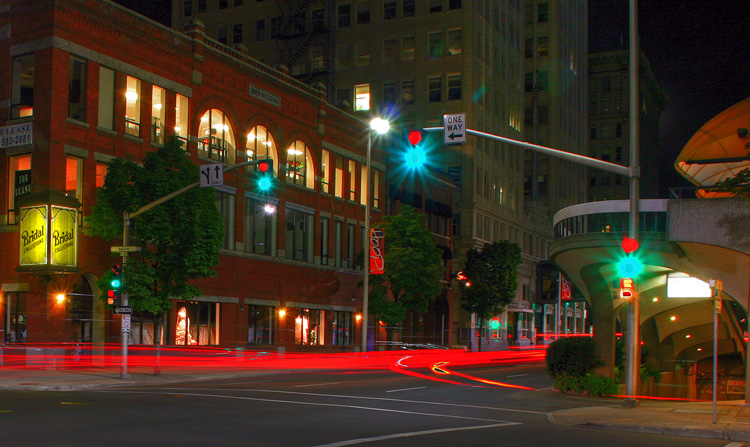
(124, 249)
(212, 175)
(454, 128)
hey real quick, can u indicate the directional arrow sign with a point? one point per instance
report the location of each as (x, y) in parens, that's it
(454, 128)
(123, 310)
(212, 175)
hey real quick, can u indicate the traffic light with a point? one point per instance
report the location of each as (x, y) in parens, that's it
(264, 180)
(415, 156)
(627, 288)
(114, 294)
(629, 267)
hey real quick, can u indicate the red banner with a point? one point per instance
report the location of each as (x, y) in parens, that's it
(564, 289)
(377, 251)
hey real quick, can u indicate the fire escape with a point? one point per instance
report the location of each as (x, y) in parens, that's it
(305, 38)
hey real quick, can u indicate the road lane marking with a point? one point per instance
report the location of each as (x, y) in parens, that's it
(406, 389)
(414, 433)
(543, 389)
(318, 384)
(387, 399)
(735, 444)
(314, 404)
(517, 375)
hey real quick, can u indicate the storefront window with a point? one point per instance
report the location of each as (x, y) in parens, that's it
(197, 323)
(309, 327)
(342, 329)
(260, 324)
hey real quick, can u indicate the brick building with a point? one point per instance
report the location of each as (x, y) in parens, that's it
(91, 81)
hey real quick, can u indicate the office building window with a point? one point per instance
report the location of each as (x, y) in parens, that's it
(542, 14)
(454, 4)
(133, 106)
(260, 227)
(389, 50)
(187, 8)
(362, 97)
(318, 18)
(434, 45)
(375, 188)
(436, 5)
(77, 89)
(362, 54)
(222, 4)
(408, 8)
(324, 228)
(343, 57)
(363, 12)
(225, 204)
(389, 93)
(158, 114)
(407, 48)
(260, 30)
(454, 87)
(338, 227)
(22, 83)
(326, 171)
(352, 174)
(275, 25)
(201, 6)
(181, 118)
(389, 9)
(543, 47)
(261, 146)
(455, 42)
(407, 92)
(299, 235)
(237, 33)
(299, 165)
(19, 174)
(435, 89)
(216, 137)
(339, 185)
(106, 98)
(344, 15)
(351, 234)
(221, 34)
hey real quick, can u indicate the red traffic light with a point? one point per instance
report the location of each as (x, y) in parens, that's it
(415, 137)
(263, 167)
(746, 337)
(626, 294)
(629, 245)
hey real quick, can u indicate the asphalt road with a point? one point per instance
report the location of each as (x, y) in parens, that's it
(470, 407)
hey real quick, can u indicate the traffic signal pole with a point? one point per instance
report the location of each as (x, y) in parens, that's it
(126, 242)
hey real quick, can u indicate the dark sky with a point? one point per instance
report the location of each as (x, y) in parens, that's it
(699, 52)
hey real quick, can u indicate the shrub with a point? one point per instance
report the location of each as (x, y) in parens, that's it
(600, 386)
(572, 357)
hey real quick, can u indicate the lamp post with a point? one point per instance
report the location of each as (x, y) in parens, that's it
(379, 126)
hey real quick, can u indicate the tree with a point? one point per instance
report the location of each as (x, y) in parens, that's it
(739, 185)
(493, 275)
(179, 239)
(413, 269)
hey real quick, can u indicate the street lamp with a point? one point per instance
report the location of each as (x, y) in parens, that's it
(381, 127)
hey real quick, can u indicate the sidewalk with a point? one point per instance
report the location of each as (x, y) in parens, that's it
(693, 419)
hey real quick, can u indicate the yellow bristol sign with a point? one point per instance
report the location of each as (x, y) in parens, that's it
(48, 236)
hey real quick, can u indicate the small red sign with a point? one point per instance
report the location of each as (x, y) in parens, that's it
(377, 252)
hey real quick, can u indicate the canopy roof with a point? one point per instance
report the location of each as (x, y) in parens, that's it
(718, 150)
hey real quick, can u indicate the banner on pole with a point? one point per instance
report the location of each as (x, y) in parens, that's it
(377, 251)
(565, 293)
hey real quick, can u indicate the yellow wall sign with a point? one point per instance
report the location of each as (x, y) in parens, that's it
(33, 232)
(64, 236)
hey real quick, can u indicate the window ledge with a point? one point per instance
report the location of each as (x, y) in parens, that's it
(105, 130)
(127, 136)
(76, 122)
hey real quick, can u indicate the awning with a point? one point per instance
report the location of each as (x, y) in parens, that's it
(719, 150)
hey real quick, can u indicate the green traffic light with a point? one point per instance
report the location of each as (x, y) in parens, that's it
(116, 283)
(629, 267)
(265, 183)
(415, 157)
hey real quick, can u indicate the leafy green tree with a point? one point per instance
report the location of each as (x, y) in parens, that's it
(413, 269)
(493, 275)
(180, 239)
(739, 185)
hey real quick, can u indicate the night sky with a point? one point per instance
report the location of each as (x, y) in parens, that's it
(699, 51)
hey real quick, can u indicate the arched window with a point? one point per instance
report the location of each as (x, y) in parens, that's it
(260, 146)
(216, 137)
(299, 165)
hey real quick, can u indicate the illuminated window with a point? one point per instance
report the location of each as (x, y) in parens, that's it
(362, 97)
(261, 146)
(22, 93)
(326, 170)
(309, 327)
(216, 137)
(181, 118)
(77, 89)
(19, 176)
(158, 111)
(74, 177)
(299, 166)
(133, 106)
(352, 180)
(339, 185)
(101, 173)
(363, 191)
(375, 188)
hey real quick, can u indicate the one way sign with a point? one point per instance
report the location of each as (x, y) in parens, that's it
(454, 128)
(212, 175)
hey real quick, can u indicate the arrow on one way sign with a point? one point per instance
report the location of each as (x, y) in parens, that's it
(212, 175)
(454, 128)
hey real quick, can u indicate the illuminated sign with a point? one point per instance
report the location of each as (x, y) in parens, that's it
(33, 231)
(682, 285)
(64, 236)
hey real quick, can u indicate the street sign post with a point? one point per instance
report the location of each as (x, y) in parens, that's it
(212, 175)
(454, 128)
(123, 250)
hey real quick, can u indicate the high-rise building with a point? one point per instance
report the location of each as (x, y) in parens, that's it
(416, 60)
